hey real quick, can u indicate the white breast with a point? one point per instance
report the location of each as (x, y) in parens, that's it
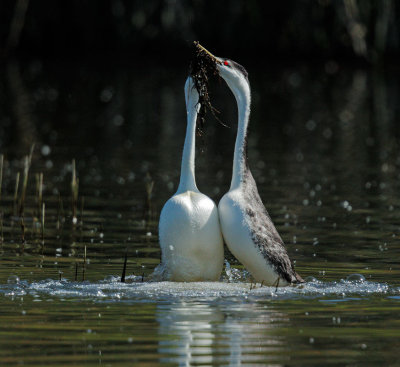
(190, 238)
(237, 235)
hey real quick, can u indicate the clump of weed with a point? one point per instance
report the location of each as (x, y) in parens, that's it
(203, 66)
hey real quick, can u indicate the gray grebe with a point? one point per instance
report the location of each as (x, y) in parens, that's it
(246, 225)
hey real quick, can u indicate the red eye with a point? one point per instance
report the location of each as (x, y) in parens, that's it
(226, 63)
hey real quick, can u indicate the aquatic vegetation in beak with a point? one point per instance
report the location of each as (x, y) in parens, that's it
(203, 66)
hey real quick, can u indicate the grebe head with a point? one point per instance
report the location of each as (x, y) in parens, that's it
(235, 75)
(191, 95)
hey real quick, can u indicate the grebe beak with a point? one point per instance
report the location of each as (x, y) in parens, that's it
(200, 47)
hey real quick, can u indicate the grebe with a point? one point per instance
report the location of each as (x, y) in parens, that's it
(189, 230)
(246, 225)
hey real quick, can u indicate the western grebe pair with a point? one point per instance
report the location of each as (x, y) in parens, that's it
(192, 229)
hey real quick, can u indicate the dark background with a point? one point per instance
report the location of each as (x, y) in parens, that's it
(159, 31)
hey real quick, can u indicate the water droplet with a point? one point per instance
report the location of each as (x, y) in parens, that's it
(356, 278)
(311, 279)
(120, 180)
(118, 120)
(327, 133)
(13, 279)
(299, 157)
(294, 79)
(49, 164)
(346, 205)
(311, 125)
(45, 150)
(106, 94)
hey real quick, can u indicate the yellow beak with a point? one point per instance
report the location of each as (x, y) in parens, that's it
(200, 47)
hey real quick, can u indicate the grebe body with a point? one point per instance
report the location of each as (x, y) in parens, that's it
(189, 230)
(246, 225)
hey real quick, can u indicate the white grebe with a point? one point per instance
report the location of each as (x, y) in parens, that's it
(189, 230)
(246, 225)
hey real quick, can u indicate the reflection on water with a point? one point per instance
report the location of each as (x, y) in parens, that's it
(192, 327)
(231, 334)
(324, 150)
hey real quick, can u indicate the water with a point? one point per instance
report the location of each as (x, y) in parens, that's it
(324, 149)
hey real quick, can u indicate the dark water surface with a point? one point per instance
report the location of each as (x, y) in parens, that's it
(324, 148)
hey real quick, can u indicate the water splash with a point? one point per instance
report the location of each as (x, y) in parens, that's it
(234, 275)
(111, 289)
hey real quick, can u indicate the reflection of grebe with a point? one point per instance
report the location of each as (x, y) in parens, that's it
(191, 332)
(190, 236)
(230, 334)
(246, 226)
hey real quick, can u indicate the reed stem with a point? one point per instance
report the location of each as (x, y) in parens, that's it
(81, 221)
(24, 186)
(27, 161)
(1, 184)
(16, 194)
(39, 190)
(84, 265)
(1, 229)
(1, 172)
(124, 267)
(74, 192)
(76, 272)
(43, 217)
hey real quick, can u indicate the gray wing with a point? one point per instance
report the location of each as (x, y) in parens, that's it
(264, 234)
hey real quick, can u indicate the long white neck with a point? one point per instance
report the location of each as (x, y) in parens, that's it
(239, 157)
(187, 181)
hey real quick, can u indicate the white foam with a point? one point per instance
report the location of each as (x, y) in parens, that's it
(112, 289)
